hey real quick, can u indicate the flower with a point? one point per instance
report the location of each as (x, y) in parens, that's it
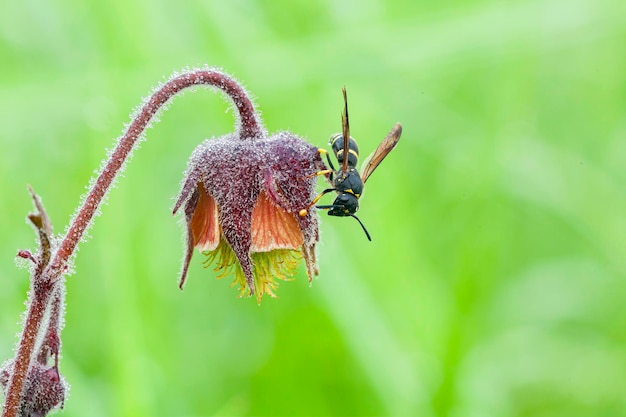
(243, 199)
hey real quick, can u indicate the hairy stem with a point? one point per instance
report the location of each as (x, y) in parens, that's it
(36, 313)
(51, 344)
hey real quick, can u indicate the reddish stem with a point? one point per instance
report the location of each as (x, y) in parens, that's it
(36, 312)
(51, 344)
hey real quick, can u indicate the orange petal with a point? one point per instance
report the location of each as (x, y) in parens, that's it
(273, 227)
(204, 224)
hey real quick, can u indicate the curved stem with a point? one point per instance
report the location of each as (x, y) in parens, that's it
(249, 128)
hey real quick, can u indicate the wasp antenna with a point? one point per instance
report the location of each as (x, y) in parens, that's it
(363, 226)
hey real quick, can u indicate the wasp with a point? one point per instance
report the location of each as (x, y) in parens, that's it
(347, 181)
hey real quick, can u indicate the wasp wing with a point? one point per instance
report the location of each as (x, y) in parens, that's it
(390, 141)
(345, 129)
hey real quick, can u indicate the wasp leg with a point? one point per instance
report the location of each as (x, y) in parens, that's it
(324, 172)
(331, 206)
(305, 210)
(330, 171)
(330, 163)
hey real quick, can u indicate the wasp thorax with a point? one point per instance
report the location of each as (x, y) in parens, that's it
(349, 182)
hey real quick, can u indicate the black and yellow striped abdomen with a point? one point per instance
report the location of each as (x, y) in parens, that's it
(336, 143)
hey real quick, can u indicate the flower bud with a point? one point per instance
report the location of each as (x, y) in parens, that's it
(44, 389)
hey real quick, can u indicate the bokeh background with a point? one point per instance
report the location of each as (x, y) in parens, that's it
(495, 284)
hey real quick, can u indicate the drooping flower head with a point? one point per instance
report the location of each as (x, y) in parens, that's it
(242, 195)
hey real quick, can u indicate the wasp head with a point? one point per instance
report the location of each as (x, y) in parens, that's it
(345, 204)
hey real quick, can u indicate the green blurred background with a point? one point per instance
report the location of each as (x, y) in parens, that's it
(495, 282)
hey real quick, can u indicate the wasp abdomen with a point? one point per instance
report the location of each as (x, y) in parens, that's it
(336, 142)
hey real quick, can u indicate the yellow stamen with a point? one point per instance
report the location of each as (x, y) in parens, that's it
(267, 267)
